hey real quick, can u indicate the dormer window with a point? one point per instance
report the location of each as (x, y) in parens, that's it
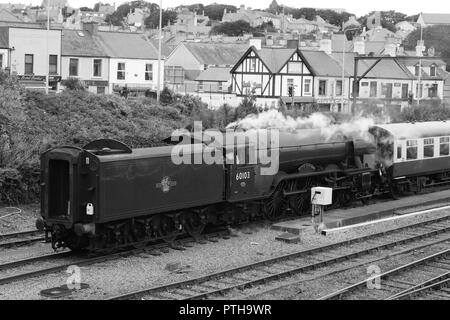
(433, 71)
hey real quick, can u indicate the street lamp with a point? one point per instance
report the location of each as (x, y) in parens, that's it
(419, 84)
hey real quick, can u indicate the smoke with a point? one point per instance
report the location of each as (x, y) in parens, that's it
(356, 127)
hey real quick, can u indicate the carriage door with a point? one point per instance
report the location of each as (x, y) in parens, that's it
(242, 173)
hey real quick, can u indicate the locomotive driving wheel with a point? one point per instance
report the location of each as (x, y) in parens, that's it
(301, 203)
(275, 206)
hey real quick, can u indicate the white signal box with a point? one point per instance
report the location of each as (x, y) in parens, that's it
(321, 196)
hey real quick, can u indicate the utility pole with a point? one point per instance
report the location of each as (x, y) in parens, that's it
(47, 76)
(419, 84)
(158, 89)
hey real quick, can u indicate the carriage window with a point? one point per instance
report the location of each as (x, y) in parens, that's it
(411, 149)
(444, 146)
(399, 151)
(428, 148)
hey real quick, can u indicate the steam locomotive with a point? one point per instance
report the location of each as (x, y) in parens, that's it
(106, 195)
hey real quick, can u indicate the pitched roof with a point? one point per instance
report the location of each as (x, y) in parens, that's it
(215, 53)
(78, 43)
(126, 45)
(275, 58)
(323, 64)
(436, 18)
(6, 15)
(215, 74)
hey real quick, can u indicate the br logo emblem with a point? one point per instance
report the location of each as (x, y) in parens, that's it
(166, 184)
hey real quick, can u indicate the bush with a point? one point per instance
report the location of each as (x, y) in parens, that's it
(246, 107)
(73, 84)
(427, 111)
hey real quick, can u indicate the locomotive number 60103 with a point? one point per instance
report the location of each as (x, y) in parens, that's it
(243, 175)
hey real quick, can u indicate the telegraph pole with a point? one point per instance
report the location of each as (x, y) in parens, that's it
(419, 84)
(158, 89)
(47, 76)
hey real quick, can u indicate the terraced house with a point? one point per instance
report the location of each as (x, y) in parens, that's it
(325, 78)
(106, 62)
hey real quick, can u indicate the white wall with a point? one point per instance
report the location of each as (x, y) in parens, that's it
(34, 41)
(86, 70)
(135, 73)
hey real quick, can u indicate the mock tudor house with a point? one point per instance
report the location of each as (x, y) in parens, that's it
(325, 78)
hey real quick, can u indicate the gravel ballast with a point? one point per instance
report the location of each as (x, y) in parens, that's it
(142, 271)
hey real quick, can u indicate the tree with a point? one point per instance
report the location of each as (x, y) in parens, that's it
(274, 8)
(152, 21)
(233, 29)
(215, 11)
(86, 9)
(331, 16)
(434, 36)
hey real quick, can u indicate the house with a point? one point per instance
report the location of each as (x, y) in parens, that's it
(433, 19)
(133, 61)
(31, 54)
(190, 22)
(83, 58)
(214, 79)
(254, 17)
(325, 78)
(189, 59)
(109, 61)
(429, 76)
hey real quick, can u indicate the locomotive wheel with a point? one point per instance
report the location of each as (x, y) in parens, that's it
(193, 225)
(275, 206)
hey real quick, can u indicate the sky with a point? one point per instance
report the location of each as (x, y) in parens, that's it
(358, 7)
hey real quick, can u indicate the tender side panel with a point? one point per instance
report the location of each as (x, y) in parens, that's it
(130, 188)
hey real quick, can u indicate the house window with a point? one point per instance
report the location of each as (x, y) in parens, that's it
(149, 72)
(121, 71)
(1, 61)
(411, 149)
(428, 148)
(433, 71)
(444, 146)
(290, 86)
(322, 87)
(252, 64)
(432, 91)
(29, 62)
(373, 89)
(53, 64)
(399, 152)
(338, 87)
(416, 71)
(307, 86)
(97, 67)
(73, 67)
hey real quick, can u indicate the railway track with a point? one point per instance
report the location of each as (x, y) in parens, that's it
(30, 236)
(300, 262)
(80, 261)
(434, 268)
(436, 288)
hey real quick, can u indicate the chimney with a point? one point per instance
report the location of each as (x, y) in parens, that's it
(390, 48)
(242, 7)
(420, 48)
(325, 45)
(292, 44)
(91, 27)
(255, 43)
(359, 46)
